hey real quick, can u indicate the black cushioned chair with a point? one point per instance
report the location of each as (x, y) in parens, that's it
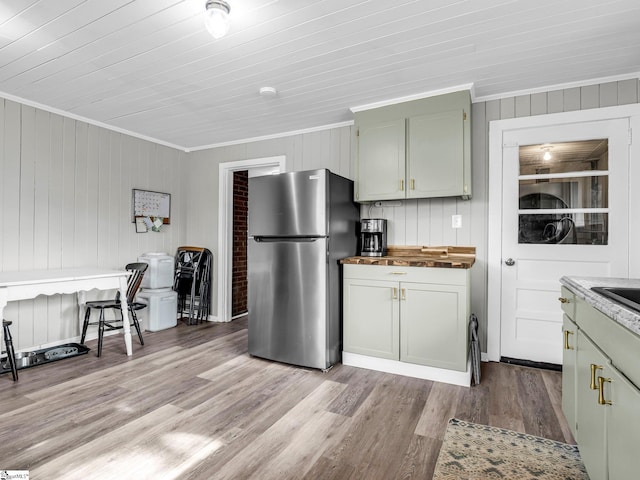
(133, 284)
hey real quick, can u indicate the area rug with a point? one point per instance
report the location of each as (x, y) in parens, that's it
(473, 452)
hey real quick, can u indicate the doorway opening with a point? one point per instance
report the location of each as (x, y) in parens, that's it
(564, 211)
(257, 166)
(239, 262)
(549, 219)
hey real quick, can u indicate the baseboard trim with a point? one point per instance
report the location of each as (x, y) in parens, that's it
(408, 369)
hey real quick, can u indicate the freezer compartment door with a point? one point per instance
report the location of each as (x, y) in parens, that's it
(288, 300)
(288, 204)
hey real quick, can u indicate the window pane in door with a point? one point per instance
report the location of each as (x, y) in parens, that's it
(554, 158)
(564, 193)
(574, 192)
(567, 229)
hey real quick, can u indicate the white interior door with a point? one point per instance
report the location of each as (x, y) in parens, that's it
(563, 215)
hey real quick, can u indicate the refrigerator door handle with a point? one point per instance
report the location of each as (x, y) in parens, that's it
(265, 239)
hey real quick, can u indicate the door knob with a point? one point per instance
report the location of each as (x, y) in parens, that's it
(510, 262)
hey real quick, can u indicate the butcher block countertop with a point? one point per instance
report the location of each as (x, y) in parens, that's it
(419, 256)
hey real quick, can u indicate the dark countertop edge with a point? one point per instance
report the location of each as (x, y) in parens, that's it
(581, 286)
(403, 262)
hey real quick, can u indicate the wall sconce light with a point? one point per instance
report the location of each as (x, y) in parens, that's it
(217, 18)
(547, 152)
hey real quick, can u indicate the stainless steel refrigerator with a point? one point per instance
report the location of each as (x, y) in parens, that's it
(300, 225)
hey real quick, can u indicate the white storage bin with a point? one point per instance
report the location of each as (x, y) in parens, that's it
(162, 309)
(160, 271)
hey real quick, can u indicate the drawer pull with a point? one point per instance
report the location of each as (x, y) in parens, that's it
(601, 382)
(564, 300)
(594, 368)
(398, 273)
(566, 340)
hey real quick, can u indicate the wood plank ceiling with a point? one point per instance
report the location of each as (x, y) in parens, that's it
(149, 66)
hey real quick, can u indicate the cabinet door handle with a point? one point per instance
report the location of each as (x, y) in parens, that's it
(566, 340)
(594, 368)
(413, 184)
(401, 185)
(601, 382)
(395, 293)
(563, 300)
(404, 293)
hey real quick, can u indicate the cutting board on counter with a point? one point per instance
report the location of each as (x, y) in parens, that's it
(421, 256)
(430, 251)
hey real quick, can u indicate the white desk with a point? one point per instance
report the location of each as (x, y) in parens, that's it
(30, 284)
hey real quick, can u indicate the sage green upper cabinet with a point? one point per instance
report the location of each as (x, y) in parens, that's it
(435, 166)
(383, 145)
(418, 149)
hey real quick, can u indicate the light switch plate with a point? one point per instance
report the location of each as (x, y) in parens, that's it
(456, 221)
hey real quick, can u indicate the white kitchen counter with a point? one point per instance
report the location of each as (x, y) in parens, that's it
(581, 286)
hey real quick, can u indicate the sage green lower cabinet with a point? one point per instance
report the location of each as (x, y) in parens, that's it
(591, 433)
(373, 327)
(623, 426)
(415, 318)
(433, 325)
(605, 405)
(569, 377)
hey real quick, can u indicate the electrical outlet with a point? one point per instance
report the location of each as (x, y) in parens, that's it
(456, 221)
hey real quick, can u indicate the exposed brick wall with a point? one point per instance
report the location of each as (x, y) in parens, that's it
(239, 275)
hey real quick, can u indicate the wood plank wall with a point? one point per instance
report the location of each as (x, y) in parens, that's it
(421, 222)
(65, 192)
(65, 201)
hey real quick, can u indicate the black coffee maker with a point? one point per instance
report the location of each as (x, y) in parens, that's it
(373, 237)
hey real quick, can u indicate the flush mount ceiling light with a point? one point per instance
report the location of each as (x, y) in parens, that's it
(268, 92)
(217, 18)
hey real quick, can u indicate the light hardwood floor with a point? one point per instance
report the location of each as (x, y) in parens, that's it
(192, 404)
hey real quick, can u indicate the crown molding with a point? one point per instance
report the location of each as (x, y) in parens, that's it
(468, 86)
(95, 123)
(417, 96)
(271, 137)
(559, 86)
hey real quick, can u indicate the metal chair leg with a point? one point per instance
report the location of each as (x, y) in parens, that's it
(11, 354)
(85, 324)
(100, 331)
(136, 324)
